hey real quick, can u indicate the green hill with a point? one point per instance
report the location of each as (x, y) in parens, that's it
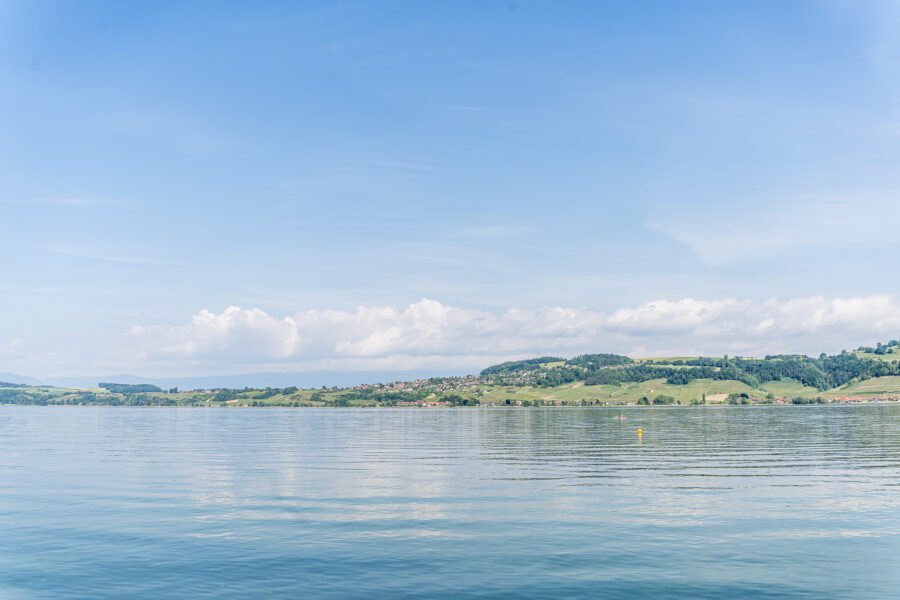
(593, 379)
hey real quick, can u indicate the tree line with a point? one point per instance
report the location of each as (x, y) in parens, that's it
(824, 372)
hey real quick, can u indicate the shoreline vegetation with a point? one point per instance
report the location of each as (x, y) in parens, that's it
(865, 375)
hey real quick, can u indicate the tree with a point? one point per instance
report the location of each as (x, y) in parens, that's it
(127, 388)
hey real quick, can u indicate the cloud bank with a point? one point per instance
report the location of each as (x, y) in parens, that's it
(430, 334)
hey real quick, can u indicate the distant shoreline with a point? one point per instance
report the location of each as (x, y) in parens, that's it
(863, 376)
(477, 407)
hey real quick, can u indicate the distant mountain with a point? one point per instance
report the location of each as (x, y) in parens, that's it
(306, 379)
(15, 378)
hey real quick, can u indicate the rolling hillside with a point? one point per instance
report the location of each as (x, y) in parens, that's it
(590, 379)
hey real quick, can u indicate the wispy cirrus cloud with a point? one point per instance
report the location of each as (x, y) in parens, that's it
(752, 229)
(107, 257)
(74, 201)
(190, 134)
(12, 348)
(470, 108)
(494, 231)
(406, 166)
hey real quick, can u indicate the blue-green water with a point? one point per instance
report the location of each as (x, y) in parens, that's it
(742, 502)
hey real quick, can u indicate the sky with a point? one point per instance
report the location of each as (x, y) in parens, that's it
(196, 188)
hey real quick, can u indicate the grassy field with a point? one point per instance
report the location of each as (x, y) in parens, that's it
(568, 394)
(626, 393)
(789, 388)
(870, 387)
(683, 394)
(891, 356)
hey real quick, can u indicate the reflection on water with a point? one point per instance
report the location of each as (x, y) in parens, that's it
(754, 502)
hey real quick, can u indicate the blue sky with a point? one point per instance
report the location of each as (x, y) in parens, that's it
(320, 163)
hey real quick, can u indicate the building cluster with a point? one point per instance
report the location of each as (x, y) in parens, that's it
(442, 385)
(516, 378)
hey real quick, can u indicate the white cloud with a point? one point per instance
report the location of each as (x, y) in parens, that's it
(430, 334)
(424, 329)
(790, 325)
(235, 333)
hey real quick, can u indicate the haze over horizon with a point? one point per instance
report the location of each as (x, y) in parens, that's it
(202, 189)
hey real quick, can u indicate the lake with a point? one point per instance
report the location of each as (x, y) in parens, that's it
(732, 502)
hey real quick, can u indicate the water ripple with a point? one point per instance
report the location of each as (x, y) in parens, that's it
(743, 502)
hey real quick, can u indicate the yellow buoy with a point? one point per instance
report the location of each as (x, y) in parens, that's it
(640, 432)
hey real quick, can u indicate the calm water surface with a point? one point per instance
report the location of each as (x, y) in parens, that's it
(742, 502)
